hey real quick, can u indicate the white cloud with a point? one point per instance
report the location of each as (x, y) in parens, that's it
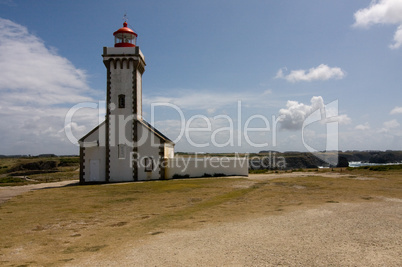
(33, 73)
(36, 87)
(293, 116)
(382, 12)
(211, 111)
(391, 124)
(295, 113)
(267, 92)
(322, 72)
(199, 131)
(207, 100)
(363, 127)
(397, 38)
(341, 119)
(396, 110)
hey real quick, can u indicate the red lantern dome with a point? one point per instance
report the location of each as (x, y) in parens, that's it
(125, 37)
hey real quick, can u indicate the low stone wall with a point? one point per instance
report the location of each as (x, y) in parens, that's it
(182, 167)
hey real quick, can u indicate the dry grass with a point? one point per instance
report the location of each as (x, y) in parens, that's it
(55, 226)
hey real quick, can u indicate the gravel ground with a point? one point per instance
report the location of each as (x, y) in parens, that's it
(338, 234)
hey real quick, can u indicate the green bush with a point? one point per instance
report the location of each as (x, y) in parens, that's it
(69, 161)
(385, 167)
(8, 179)
(378, 168)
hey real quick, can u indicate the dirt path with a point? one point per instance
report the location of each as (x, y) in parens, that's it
(8, 192)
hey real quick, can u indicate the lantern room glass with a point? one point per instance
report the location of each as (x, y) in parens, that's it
(125, 38)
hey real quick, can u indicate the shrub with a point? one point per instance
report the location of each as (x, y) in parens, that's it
(379, 168)
(9, 179)
(36, 165)
(386, 167)
(69, 161)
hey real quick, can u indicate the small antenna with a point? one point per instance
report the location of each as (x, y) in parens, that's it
(125, 18)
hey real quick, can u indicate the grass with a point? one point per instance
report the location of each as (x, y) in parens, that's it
(66, 169)
(257, 171)
(62, 224)
(8, 180)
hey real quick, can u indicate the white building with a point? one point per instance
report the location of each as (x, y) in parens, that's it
(125, 147)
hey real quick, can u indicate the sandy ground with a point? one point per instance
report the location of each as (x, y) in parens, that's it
(333, 234)
(341, 234)
(7, 192)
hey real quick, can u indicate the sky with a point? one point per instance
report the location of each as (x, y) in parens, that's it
(221, 76)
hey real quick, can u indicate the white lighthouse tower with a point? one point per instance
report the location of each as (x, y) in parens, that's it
(124, 147)
(125, 65)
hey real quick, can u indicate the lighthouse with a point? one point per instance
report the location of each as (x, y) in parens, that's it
(125, 65)
(124, 147)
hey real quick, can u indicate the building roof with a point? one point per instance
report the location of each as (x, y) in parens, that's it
(124, 30)
(143, 122)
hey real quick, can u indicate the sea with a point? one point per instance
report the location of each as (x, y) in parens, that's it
(355, 164)
(359, 164)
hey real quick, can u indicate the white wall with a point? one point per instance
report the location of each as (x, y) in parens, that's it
(120, 122)
(149, 145)
(139, 94)
(94, 149)
(197, 167)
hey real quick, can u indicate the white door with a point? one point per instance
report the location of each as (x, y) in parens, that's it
(94, 170)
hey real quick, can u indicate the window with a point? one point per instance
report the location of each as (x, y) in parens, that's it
(122, 101)
(149, 164)
(122, 151)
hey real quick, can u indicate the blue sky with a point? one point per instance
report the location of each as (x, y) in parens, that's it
(276, 57)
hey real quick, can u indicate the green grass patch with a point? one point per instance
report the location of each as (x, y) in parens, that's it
(12, 180)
